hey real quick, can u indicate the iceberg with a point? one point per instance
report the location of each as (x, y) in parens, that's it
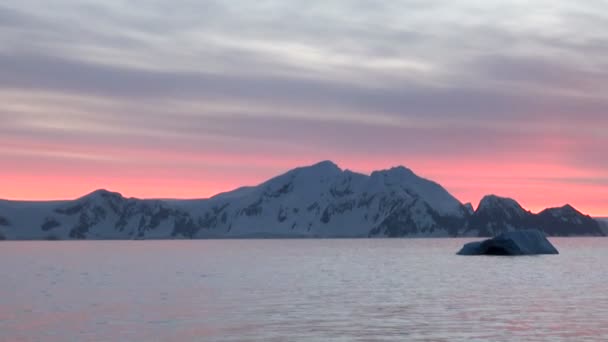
(519, 242)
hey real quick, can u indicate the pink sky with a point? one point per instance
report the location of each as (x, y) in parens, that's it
(179, 177)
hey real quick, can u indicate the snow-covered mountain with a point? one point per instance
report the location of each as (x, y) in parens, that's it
(315, 201)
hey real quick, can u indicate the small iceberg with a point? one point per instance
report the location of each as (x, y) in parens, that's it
(519, 242)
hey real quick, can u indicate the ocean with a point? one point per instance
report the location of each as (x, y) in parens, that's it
(300, 290)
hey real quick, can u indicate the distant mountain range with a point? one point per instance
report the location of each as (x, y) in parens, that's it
(315, 201)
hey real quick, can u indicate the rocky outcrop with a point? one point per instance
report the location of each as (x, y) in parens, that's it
(495, 215)
(565, 221)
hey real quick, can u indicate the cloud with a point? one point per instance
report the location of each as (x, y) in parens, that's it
(507, 82)
(11, 18)
(62, 75)
(543, 72)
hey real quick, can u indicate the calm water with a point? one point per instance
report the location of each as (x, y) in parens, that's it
(299, 290)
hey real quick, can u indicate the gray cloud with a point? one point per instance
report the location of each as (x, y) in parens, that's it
(405, 99)
(539, 72)
(10, 17)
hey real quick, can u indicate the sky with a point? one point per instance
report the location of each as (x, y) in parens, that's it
(188, 98)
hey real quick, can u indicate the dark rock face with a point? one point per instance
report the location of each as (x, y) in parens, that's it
(49, 223)
(497, 214)
(336, 209)
(521, 242)
(253, 209)
(566, 221)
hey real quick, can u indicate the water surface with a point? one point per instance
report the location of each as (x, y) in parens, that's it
(299, 290)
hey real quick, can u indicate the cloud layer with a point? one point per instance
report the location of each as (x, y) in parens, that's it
(189, 98)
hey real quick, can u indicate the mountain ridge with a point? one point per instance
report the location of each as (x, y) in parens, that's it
(320, 200)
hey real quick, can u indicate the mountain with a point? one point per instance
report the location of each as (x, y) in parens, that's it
(495, 215)
(563, 221)
(321, 200)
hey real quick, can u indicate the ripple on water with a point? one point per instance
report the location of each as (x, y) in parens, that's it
(300, 290)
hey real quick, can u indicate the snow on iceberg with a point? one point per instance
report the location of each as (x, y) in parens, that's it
(519, 242)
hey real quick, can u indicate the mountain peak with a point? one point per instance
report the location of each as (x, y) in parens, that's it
(399, 171)
(400, 168)
(322, 167)
(489, 202)
(326, 164)
(568, 207)
(101, 193)
(435, 195)
(563, 210)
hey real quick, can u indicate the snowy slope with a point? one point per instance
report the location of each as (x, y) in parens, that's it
(321, 200)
